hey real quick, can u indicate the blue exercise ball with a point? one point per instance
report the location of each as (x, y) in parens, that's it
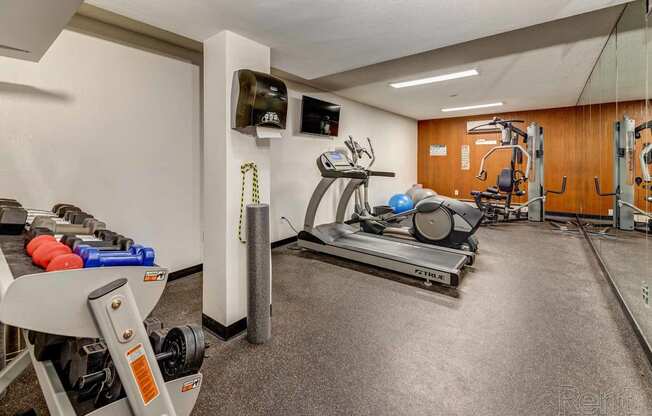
(400, 203)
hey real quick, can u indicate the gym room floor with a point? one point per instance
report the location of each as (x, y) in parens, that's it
(519, 337)
(628, 255)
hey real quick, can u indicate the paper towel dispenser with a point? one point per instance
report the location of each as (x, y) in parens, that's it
(258, 100)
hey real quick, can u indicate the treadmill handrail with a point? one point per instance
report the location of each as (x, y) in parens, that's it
(381, 173)
(346, 174)
(343, 202)
(315, 200)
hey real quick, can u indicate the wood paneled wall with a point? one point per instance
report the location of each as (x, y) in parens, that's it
(578, 144)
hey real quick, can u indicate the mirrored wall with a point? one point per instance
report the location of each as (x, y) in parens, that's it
(613, 121)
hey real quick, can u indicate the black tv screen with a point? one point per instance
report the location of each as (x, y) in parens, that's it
(319, 117)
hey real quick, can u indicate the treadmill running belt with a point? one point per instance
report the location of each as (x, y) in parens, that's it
(404, 252)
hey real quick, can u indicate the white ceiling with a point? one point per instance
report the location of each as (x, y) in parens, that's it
(311, 38)
(542, 66)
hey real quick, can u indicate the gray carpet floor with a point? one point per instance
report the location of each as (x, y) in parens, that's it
(534, 329)
(628, 255)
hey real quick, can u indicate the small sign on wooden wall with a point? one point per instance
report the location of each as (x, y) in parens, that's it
(438, 150)
(466, 157)
(486, 142)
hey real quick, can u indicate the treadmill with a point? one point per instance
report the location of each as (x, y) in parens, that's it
(426, 261)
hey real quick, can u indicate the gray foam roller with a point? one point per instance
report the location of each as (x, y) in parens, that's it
(259, 323)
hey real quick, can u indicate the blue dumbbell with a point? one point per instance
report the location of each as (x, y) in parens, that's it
(137, 255)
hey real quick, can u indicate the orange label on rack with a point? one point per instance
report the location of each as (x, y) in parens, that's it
(154, 276)
(190, 385)
(142, 373)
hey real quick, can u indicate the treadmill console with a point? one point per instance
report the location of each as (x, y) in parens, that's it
(336, 164)
(337, 160)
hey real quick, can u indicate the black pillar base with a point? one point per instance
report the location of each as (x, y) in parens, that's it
(225, 333)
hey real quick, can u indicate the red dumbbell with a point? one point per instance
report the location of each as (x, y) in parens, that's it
(36, 242)
(65, 262)
(47, 251)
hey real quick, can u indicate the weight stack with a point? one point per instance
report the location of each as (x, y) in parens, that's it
(259, 263)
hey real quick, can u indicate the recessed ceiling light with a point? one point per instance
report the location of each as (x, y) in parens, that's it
(438, 78)
(471, 107)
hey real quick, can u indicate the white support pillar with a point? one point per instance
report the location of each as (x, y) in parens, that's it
(224, 291)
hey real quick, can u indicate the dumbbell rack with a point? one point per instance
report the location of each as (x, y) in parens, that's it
(109, 303)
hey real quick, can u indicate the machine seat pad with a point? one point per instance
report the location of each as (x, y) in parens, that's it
(491, 195)
(506, 180)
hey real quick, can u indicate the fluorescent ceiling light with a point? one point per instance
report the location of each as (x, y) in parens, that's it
(438, 78)
(471, 107)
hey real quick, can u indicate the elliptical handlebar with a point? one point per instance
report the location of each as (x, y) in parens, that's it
(372, 156)
(350, 144)
(358, 151)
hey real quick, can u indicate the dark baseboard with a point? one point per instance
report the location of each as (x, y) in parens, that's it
(223, 332)
(561, 214)
(579, 216)
(226, 332)
(200, 267)
(283, 242)
(576, 215)
(185, 272)
(647, 348)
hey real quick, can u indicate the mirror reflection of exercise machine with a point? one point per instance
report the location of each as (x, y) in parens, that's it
(497, 201)
(626, 215)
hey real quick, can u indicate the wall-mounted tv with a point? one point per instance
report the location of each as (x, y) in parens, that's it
(319, 117)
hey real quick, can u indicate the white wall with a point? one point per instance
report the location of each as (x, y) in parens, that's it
(225, 150)
(294, 171)
(116, 130)
(112, 129)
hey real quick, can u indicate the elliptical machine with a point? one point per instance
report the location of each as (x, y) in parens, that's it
(435, 220)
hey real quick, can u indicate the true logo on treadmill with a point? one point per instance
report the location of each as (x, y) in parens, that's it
(156, 276)
(431, 275)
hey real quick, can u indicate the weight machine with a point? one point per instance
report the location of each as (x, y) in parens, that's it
(625, 211)
(497, 201)
(86, 337)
